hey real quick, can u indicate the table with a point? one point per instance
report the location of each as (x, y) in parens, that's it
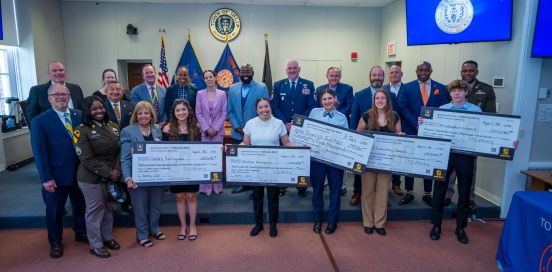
(526, 239)
(540, 179)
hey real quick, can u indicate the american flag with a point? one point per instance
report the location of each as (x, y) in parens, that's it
(163, 78)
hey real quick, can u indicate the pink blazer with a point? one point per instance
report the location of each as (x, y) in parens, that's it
(214, 119)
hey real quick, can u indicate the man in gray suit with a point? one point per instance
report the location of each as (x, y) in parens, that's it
(242, 97)
(151, 92)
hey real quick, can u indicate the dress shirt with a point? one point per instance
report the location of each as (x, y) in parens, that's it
(61, 117)
(337, 119)
(395, 88)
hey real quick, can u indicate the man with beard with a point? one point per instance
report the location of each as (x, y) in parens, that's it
(361, 104)
(242, 97)
(414, 95)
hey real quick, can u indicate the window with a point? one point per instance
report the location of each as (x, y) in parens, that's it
(8, 78)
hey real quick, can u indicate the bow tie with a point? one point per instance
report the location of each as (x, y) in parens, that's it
(327, 113)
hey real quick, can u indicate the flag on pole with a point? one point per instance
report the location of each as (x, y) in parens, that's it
(227, 69)
(163, 78)
(267, 73)
(189, 60)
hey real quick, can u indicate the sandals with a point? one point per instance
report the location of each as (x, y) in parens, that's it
(182, 237)
(193, 237)
(159, 236)
(146, 243)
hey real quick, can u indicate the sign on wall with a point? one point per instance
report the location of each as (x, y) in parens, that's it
(225, 24)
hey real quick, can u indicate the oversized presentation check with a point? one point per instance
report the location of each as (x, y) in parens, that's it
(176, 163)
(267, 165)
(412, 156)
(332, 145)
(474, 133)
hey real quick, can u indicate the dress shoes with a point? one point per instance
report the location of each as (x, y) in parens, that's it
(461, 236)
(355, 199)
(369, 230)
(256, 229)
(273, 230)
(428, 200)
(81, 238)
(397, 190)
(112, 244)
(446, 202)
(407, 198)
(283, 191)
(100, 252)
(317, 228)
(381, 231)
(330, 228)
(435, 233)
(56, 251)
(238, 190)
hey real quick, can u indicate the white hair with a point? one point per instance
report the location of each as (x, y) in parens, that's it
(288, 61)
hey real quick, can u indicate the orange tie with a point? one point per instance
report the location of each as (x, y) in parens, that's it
(425, 96)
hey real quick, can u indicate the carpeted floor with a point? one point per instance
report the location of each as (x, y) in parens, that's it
(407, 247)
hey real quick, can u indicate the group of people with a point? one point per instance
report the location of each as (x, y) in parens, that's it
(93, 145)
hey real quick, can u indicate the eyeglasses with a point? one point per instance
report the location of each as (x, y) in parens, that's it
(59, 95)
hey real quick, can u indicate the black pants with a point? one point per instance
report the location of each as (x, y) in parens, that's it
(396, 180)
(463, 164)
(357, 185)
(273, 202)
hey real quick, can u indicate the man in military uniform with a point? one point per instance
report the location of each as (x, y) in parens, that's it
(482, 95)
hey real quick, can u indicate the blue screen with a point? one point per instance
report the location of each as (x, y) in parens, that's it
(457, 21)
(542, 42)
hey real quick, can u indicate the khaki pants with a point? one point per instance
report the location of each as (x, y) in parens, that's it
(375, 187)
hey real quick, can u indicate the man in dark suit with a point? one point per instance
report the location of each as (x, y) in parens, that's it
(37, 102)
(119, 112)
(482, 95)
(361, 104)
(394, 86)
(183, 89)
(292, 95)
(52, 140)
(151, 92)
(413, 96)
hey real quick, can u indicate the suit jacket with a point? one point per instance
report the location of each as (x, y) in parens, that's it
(363, 102)
(344, 94)
(411, 103)
(126, 110)
(239, 114)
(37, 102)
(203, 113)
(141, 93)
(285, 104)
(483, 95)
(129, 136)
(172, 95)
(387, 87)
(53, 148)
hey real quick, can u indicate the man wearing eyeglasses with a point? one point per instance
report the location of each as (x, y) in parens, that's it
(37, 102)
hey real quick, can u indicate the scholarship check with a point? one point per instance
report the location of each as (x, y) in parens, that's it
(176, 163)
(412, 156)
(474, 133)
(267, 165)
(332, 145)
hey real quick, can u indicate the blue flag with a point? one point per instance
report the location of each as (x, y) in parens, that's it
(190, 61)
(227, 69)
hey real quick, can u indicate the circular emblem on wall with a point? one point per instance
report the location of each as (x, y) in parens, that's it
(546, 259)
(454, 16)
(225, 78)
(225, 24)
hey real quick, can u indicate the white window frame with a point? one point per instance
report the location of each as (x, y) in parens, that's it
(13, 75)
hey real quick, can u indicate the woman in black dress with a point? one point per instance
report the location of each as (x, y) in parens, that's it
(183, 126)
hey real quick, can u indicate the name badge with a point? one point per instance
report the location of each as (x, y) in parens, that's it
(306, 91)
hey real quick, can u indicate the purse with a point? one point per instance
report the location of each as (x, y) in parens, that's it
(114, 191)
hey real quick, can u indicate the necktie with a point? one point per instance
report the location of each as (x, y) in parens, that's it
(293, 87)
(117, 112)
(327, 113)
(69, 126)
(425, 95)
(154, 100)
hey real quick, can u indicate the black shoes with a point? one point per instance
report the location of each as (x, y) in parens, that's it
(273, 231)
(112, 244)
(428, 200)
(56, 251)
(461, 236)
(317, 228)
(446, 202)
(238, 190)
(256, 230)
(408, 197)
(435, 233)
(100, 252)
(381, 231)
(369, 230)
(331, 228)
(81, 238)
(283, 191)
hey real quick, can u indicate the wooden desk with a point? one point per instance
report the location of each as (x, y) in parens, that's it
(541, 180)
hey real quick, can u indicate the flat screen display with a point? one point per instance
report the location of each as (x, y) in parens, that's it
(457, 21)
(542, 41)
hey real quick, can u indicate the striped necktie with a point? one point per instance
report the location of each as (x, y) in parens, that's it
(154, 101)
(69, 126)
